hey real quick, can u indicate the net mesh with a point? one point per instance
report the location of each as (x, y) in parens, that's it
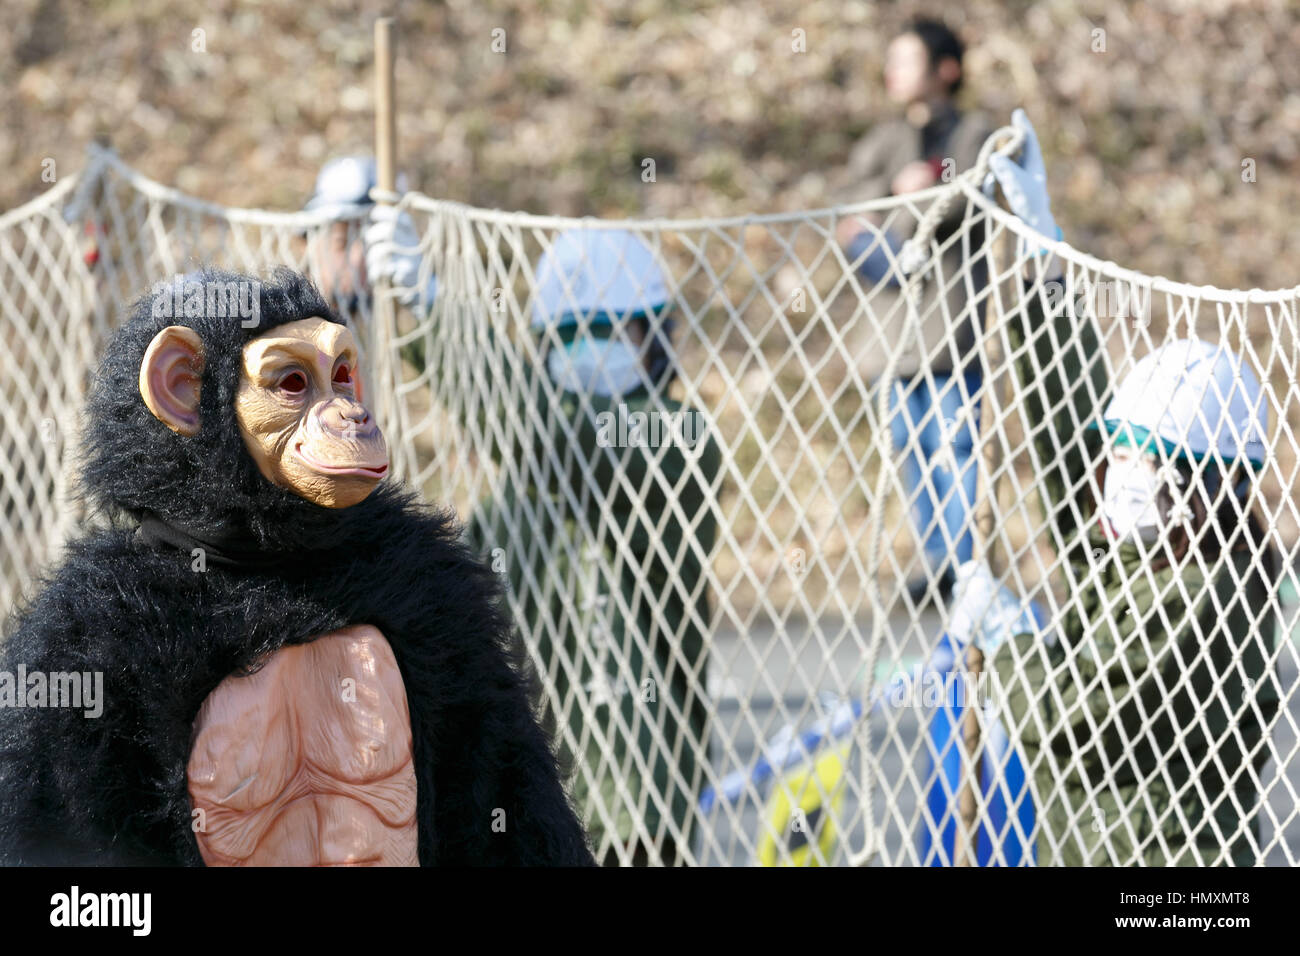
(736, 586)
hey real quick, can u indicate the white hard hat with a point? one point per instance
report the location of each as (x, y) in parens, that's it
(344, 184)
(606, 274)
(1197, 399)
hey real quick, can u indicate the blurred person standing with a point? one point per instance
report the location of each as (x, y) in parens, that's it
(604, 527)
(937, 375)
(337, 251)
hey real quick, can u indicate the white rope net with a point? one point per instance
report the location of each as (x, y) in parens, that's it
(736, 603)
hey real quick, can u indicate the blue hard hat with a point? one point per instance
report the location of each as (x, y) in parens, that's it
(344, 184)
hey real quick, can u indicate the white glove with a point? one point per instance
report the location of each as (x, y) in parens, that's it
(984, 611)
(393, 252)
(1024, 183)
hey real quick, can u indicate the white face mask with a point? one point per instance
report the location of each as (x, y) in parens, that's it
(1129, 496)
(602, 366)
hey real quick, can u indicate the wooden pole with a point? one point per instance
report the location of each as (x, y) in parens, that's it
(966, 841)
(385, 107)
(383, 318)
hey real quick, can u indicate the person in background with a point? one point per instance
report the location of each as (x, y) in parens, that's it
(337, 252)
(933, 417)
(1145, 718)
(604, 533)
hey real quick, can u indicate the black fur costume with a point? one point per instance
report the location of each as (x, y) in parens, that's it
(281, 570)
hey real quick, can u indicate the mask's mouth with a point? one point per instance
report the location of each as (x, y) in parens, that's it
(362, 470)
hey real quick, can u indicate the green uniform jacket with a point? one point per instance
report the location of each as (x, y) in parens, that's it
(1146, 741)
(604, 541)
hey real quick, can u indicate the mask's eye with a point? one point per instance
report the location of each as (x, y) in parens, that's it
(343, 376)
(295, 383)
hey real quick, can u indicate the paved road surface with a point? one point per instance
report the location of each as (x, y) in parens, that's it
(904, 760)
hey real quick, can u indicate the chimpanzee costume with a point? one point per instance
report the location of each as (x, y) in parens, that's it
(133, 602)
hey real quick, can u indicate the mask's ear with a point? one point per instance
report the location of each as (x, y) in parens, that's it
(170, 377)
